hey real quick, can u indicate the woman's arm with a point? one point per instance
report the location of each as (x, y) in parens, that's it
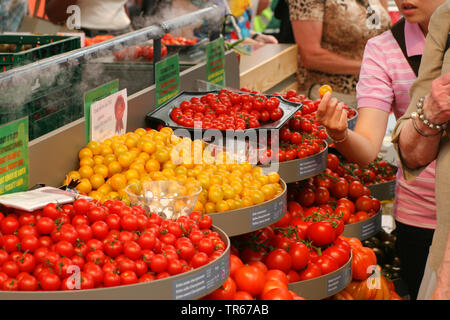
(361, 145)
(308, 36)
(385, 4)
(416, 150)
(56, 10)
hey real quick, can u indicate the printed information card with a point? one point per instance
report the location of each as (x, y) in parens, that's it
(109, 116)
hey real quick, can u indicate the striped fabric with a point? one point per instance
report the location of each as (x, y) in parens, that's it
(384, 84)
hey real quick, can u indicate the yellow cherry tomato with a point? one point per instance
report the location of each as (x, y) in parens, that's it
(210, 207)
(86, 171)
(105, 189)
(257, 196)
(125, 159)
(84, 186)
(87, 161)
(324, 89)
(215, 194)
(109, 158)
(96, 181)
(74, 175)
(222, 206)
(152, 165)
(85, 152)
(274, 177)
(114, 167)
(269, 191)
(95, 147)
(118, 181)
(98, 159)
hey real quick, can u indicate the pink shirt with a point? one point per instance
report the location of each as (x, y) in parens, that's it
(384, 84)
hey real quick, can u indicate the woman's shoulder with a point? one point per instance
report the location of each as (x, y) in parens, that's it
(382, 40)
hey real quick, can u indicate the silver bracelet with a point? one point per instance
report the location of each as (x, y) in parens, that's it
(340, 140)
(421, 116)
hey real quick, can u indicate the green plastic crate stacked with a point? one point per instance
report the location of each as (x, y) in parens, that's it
(50, 101)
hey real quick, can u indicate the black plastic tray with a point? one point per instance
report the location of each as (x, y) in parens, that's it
(174, 48)
(161, 115)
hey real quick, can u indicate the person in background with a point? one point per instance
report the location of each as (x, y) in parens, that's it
(421, 137)
(273, 18)
(389, 67)
(98, 17)
(331, 36)
(11, 14)
(242, 11)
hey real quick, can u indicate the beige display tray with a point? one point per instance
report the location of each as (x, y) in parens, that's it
(383, 191)
(301, 169)
(190, 285)
(245, 220)
(364, 229)
(324, 286)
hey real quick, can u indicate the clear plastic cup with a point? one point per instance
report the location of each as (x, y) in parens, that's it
(170, 199)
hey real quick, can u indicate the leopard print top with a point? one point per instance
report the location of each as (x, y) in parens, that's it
(347, 26)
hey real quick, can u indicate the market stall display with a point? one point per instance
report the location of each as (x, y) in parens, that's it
(164, 215)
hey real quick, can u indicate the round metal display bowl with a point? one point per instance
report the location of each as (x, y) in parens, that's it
(324, 286)
(245, 220)
(364, 229)
(190, 285)
(301, 169)
(383, 191)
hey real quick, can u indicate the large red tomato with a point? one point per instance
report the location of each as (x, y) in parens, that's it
(226, 292)
(279, 259)
(249, 279)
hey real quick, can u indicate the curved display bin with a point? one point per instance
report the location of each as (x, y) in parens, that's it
(324, 286)
(245, 220)
(352, 122)
(190, 285)
(364, 229)
(301, 169)
(383, 191)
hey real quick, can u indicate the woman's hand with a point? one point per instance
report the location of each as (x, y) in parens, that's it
(266, 38)
(333, 116)
(437, 103)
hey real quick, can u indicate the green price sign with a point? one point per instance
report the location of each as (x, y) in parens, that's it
(93, 96)
(215, 62)
(14, 161)
(167, 79)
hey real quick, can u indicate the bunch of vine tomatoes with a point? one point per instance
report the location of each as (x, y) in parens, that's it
(378, 171)
(333, 194)
(109, 245)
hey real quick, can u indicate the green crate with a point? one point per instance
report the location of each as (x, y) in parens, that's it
(54, 104)
(42, 47)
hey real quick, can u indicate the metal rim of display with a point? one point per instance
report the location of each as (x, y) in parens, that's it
(162, 289)
(364, 229)
(291, 171)
(326, 285)
(249, 219)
